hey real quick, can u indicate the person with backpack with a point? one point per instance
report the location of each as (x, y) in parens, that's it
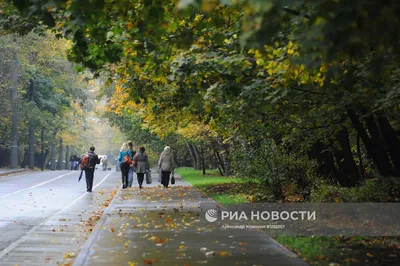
(125, 160)
(88, 164)
(131, 170)
(166, 165)
(141, 164)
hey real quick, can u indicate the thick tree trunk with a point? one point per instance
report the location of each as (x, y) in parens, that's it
(392, 142)
(190, 148)
(53, 156)
(198, 157)
(14, 117)
(203, 160)
(325, 159)
(60, 156)
(31, 147)
(67, 158)
(45, 155)
(375, 151)
(348, 165)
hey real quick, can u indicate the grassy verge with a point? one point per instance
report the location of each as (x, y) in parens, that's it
(315, 250)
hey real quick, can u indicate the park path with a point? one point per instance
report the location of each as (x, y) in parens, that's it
(154, 226)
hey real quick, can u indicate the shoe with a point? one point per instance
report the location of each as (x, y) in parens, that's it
(88, 191)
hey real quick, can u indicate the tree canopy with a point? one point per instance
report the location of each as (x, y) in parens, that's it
(262, 88)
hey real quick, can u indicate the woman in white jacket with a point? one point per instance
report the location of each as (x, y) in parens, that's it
(166, 165)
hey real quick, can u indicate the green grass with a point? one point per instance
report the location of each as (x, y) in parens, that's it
(214, 185)
(319, 250)
(197, 179)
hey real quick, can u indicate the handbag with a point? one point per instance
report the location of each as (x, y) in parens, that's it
(172, 179)
(148, 177)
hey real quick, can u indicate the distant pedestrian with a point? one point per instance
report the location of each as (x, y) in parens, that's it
(131, 168)
(88, 164)
(72, 159)
(104, 163)
(77, 162)
(166, 165)
(141, 164)
(125, 159)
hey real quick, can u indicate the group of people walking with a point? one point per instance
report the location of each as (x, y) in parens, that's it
(131, 162)
(138, 162)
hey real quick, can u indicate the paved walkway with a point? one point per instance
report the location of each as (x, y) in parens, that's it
(154, 226)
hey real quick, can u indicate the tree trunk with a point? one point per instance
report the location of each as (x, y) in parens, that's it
(60, 156)
(325, 159)
(31, 149)
(360, 157)
(198, 158)
(53, 156)
(14, 121)
(374, 150)
(203, 160)
(225, 156)
(67, 158)
(392, 142)
(31, 131)
(43, 161)
(348, 165)
(190, 148)
(220, 164)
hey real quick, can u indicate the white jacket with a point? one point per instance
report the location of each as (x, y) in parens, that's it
(167, 161)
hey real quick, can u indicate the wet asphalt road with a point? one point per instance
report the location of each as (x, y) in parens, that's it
(40, 214)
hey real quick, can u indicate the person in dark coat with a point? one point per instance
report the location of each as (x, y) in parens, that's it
(142, 165)
(131, 170)
(89, 172)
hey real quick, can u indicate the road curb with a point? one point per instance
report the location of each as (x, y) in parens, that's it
(85, 249)
(11, 172)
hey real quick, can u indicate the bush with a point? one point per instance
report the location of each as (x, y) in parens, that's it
(276, 168)
(373, 190)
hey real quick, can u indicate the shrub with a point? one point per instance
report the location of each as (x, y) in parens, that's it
(372, 190)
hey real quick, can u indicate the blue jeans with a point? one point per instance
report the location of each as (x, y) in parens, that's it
(130, 177)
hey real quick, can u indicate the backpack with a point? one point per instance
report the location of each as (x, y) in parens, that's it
(85, 162)
(127, 159)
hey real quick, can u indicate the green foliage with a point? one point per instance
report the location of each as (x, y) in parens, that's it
(50, 93)
(370, 191)
(274, 89)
